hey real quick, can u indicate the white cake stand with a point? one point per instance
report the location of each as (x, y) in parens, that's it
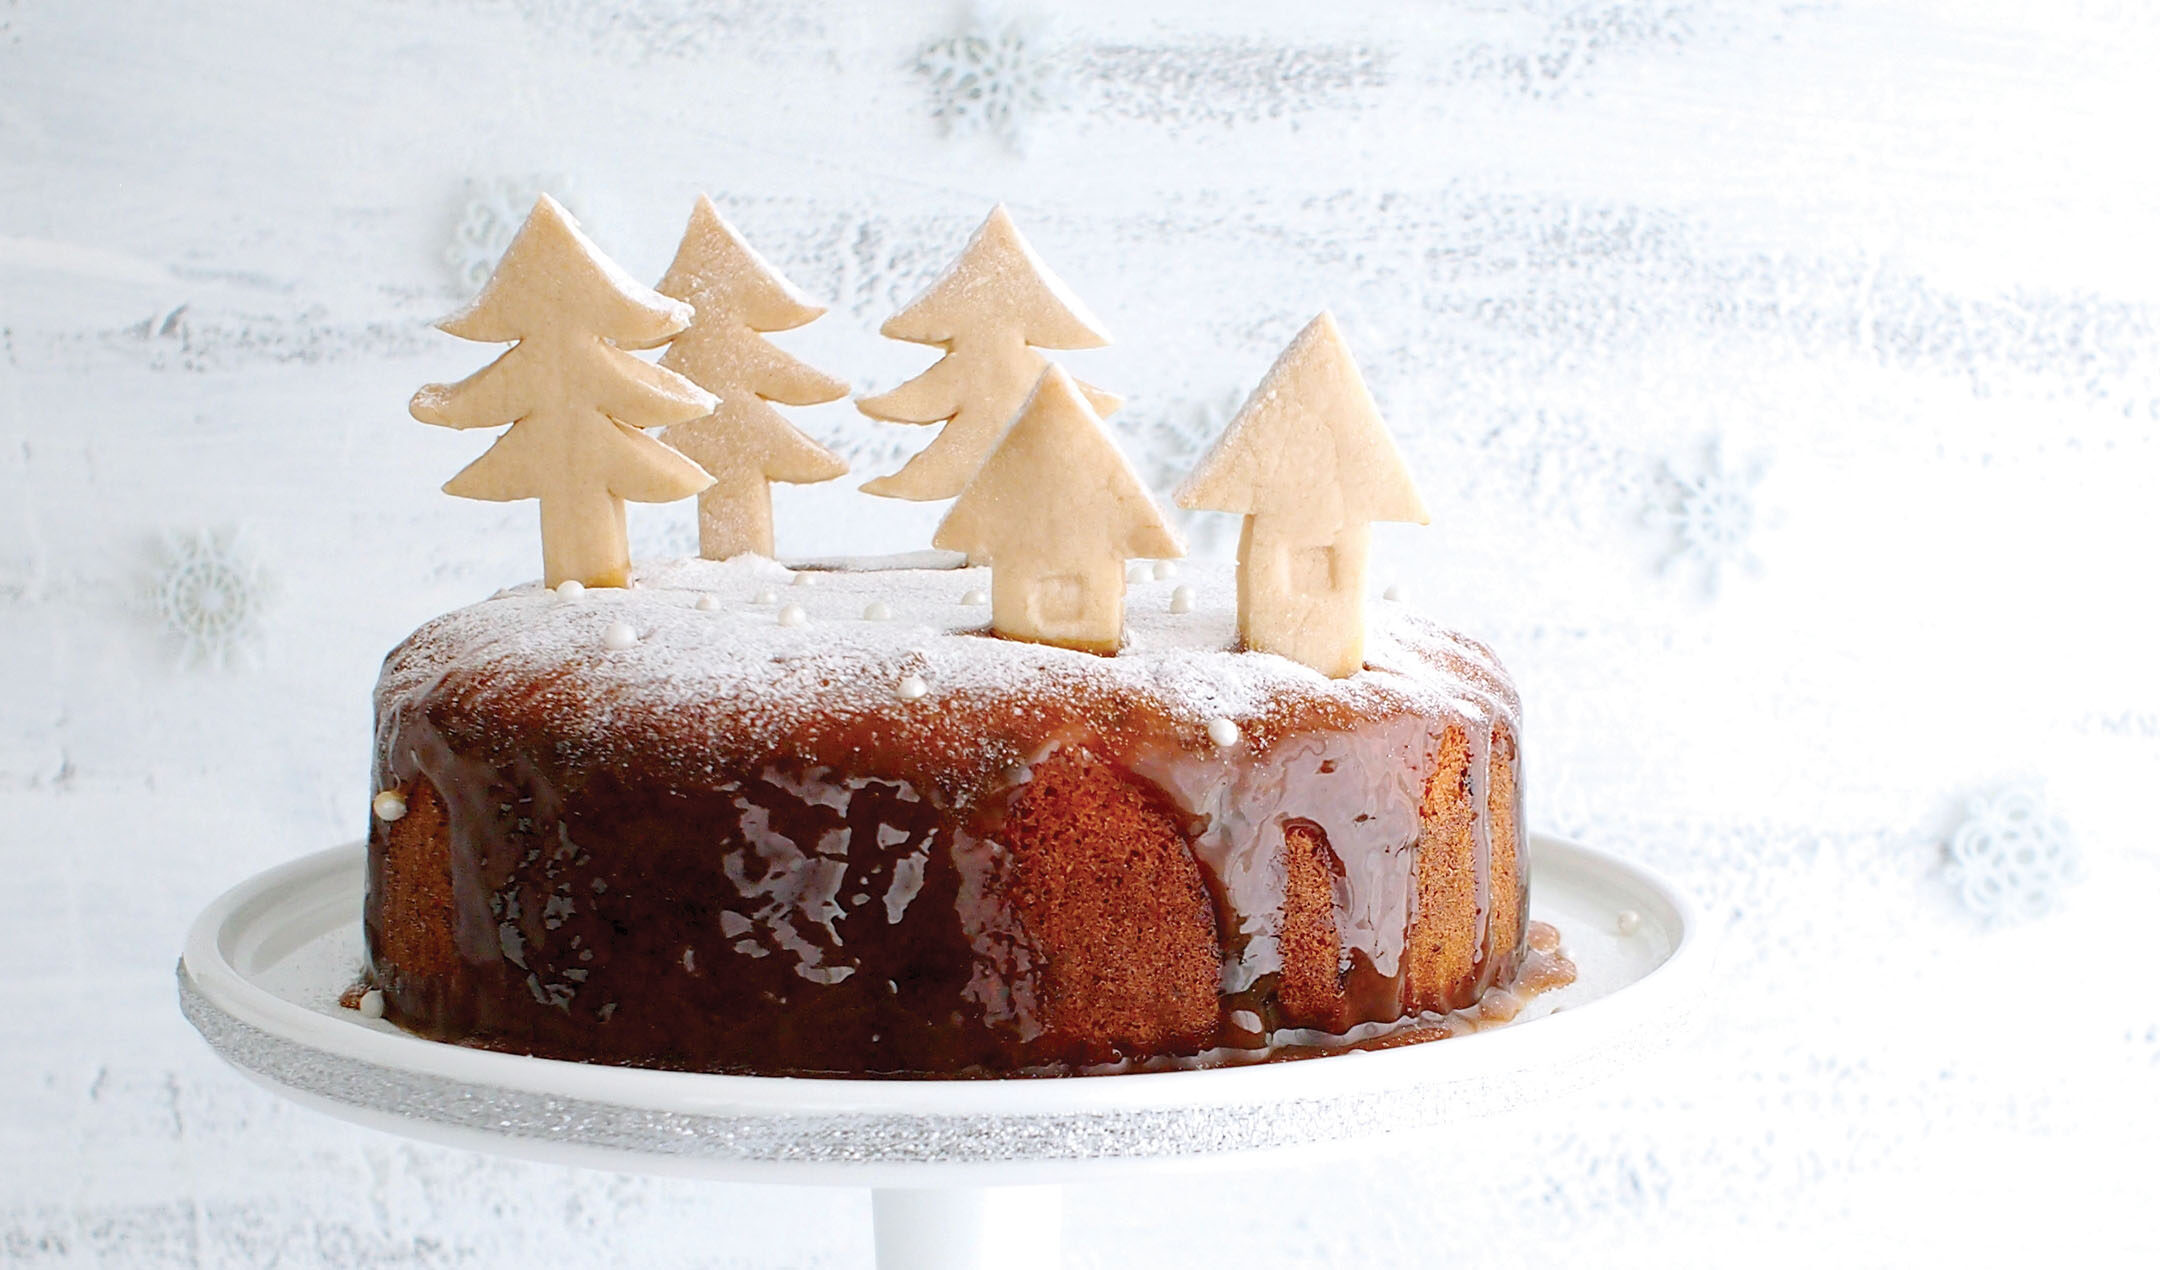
(964, 1173)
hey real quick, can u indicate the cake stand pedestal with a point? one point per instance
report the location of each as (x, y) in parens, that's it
(965, 1174)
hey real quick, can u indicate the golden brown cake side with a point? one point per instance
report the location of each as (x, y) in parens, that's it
(743, 851)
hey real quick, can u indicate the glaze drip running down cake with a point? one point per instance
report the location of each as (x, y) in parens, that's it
(737, 818)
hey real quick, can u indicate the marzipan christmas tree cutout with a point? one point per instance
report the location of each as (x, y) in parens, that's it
(992, 309)
(1057, 511)
(744, 442)
(576, 401)
(1310, 465)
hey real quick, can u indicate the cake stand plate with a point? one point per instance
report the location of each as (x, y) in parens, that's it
(965, 1173)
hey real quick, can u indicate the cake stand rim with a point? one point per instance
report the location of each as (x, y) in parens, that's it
(915, 1132)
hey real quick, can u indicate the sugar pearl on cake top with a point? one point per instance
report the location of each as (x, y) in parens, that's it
(708, 603)
(765, 595)
(911, 688)
(793, 615)
(571, 589)
(806, 579)
(389, 805)
(619, 635)
(1222, 732)
(877, 611)
(1181, 600)
(975, 597)
(371, 1004)
(1165, 570)
(1394, 592)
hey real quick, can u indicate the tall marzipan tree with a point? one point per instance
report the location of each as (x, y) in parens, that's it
(995, 306)
(744, 442)
(1057, 512)
(575, 399)
(1310, 465)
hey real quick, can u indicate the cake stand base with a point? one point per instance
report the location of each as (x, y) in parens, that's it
(964, 1174)
(967, 1228)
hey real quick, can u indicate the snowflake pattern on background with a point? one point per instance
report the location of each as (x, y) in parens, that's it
(209, 596)
(1712, 515)
(2012, 858)
(996, 75)
(490, 217)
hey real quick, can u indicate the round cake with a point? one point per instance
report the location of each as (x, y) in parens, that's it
(742, 818)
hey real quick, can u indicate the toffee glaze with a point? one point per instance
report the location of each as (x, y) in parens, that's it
(1056, 877)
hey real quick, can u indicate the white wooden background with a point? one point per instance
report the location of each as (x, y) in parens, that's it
(1893, 262)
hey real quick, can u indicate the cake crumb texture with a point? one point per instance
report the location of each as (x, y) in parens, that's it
(1109, 893)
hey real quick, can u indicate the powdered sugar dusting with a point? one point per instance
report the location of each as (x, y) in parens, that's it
(762, 681)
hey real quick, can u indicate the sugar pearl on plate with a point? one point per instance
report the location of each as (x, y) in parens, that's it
(1181, 600)
(389, 805)
(571, 589)
(1628, 922)
(1165, 570)
(1222, 732)
(793, 615)
(975, 598)
(877, 611)
(708, 603)
(911, 688)
(371, 1004)
(765, 595)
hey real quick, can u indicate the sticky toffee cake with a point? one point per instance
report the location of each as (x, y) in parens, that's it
(737, 819)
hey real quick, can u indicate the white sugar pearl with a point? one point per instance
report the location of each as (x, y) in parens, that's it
(1165, 570)
(1393, 592)
(975, 598)
(793, 615)
(911, 688)
(1139, 571)
(571, 589)
(1628, 922)
(708, 603)
(389, 805)
(877, 611)
(806, 579)
(619, 635)
(1181, 600)
(1222, 732)
(371, 1003)
(765, 595)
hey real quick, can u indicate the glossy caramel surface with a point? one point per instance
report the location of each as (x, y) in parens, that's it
(1042, 865)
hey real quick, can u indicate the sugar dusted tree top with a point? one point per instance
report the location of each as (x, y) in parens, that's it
(720, 275)
(552, 273)
(1056, 485)
(1308, 449)
(991, 311)
(1310, 466)
(575, 399)
(997, 278)
(744, 442)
